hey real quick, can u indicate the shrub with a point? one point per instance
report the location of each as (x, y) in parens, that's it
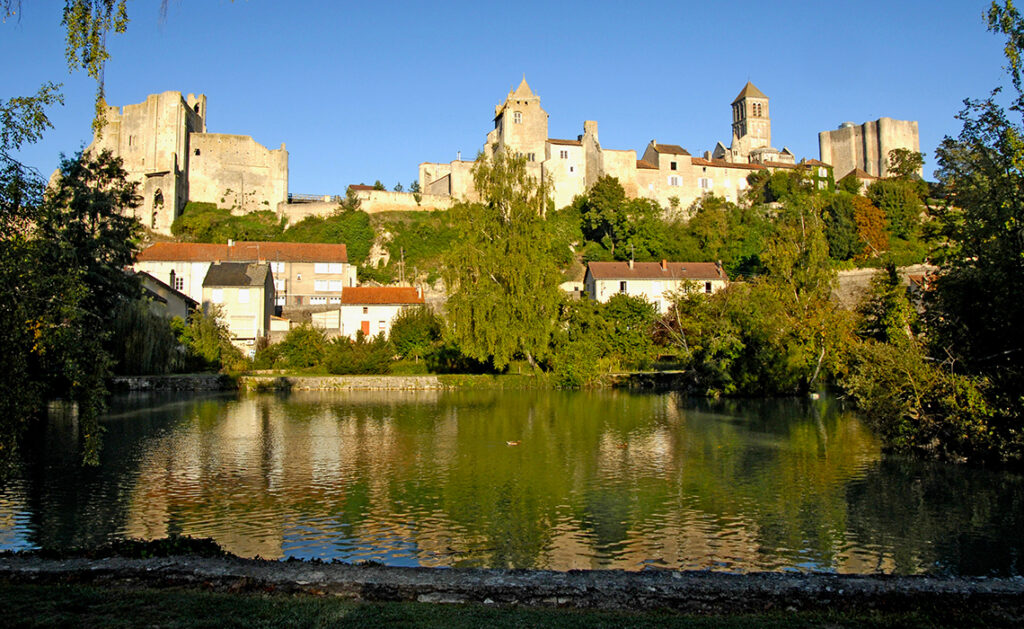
(362, 356)
(303, 347)
(415, 331)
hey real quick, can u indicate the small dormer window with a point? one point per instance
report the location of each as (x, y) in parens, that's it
(517, 117)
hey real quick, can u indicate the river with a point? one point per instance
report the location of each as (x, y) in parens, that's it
(520, 479)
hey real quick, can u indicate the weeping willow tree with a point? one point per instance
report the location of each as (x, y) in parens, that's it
(143, 342)
(501, 273)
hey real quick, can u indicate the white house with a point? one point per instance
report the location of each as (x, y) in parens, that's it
(652, 280)
(368, 308)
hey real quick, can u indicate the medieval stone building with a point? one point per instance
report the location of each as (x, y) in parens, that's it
(866, 146)
(665, 173)
(165, 147)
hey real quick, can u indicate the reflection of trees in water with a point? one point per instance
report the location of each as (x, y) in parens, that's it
(598, 479)
(940, 518)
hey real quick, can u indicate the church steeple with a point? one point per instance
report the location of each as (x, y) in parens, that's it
(751, 123)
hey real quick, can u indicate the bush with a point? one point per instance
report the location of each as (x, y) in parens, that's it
(209, 342)
(362, 356)
(205, 222)
(414, 332)
(303, 347)
(350, 227)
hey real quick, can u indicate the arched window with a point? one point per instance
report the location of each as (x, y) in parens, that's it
(196, 108)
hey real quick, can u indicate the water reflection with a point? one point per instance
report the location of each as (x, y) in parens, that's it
(604, 479)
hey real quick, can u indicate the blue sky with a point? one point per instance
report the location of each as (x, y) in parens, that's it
(367, 91)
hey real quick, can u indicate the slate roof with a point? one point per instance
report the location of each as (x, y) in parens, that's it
(655, 271)
(380, 295)
(236, 274)
(243, 251)
(749, 91)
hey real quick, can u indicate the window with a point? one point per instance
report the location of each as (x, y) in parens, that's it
(278, 284)
(530, 157)
(622, 287)
(335, 286)
(298, 277)
(321, 267)
(706, 183)
(672, 165)
(317, 301)
(321, 285)
(673, 180)
(563, 154)
(572, 169)
(335, 300)
(707, 287)
(217, 295)
(366, 310)
(822, 172)
(336, 267)
(243, 295)
(380, 326)
(179, 283)
(517, 117)
(279, 301)
(197, 152)
(277, 267)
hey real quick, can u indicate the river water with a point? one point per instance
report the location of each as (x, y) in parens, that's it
(534, 479)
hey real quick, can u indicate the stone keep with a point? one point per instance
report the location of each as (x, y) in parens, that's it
(867, 146)
(164, 146)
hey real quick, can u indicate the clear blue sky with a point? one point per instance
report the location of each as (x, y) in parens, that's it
(366, 91)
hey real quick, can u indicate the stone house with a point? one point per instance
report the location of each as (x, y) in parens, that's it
(305, 274)
(245, 294)
(654, 281)
(164, 300)
(368, 308)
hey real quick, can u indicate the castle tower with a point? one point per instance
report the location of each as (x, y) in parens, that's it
(751, 122)
(520, 125)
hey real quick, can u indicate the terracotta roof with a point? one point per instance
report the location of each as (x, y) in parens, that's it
(779, 165)
(749, 91)
(360, 186)
(236, 274)
(565, 142)
(670, 149)
(861, 174)
(654, 270)
(245, 251)
(721, 163)
(815, 162)
(380, 295)
(644, 164)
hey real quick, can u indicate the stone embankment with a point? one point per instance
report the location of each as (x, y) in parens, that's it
(341, 383)
(686, 592)
(178, 382)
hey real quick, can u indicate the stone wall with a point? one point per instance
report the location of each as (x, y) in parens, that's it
(866, 146)
(236, 171)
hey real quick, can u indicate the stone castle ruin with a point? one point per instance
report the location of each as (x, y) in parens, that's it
(165, 148)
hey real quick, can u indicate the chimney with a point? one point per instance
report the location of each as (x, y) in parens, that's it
(231, 243)
(631, 263)
(419, 292)
(664, 265)
(172, 278)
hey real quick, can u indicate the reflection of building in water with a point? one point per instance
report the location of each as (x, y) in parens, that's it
(383, 474)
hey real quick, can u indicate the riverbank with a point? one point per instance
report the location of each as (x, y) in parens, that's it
(653, 380)
(536, 597)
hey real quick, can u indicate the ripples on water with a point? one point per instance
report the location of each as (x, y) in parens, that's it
(602, 479)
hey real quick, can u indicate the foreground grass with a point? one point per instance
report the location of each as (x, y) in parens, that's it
(91, 606)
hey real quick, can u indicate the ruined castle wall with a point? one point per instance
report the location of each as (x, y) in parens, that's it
(371, 202)
(152, 140)
(867, 146)
(237, 172)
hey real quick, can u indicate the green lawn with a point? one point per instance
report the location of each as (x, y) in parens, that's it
(91, 606)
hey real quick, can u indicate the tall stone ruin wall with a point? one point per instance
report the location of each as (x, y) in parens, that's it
(235, 171)
(866, 146)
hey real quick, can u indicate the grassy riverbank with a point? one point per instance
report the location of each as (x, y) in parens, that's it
(29, 605)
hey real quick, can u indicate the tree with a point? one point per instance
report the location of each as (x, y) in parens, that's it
(844, 241)
(900, 201)
(500, 273)
(905, 164)
(415, 332)
(872, 228)
(398, 187)
(377, 185)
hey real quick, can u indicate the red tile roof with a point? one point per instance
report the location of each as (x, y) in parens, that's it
(565, 142)
(645, 164)
(360, 186)
(654, 270)
(815, 162)
(380, 295)
(245, 251)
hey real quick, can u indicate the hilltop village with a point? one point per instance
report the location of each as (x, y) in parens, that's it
(266, 288)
